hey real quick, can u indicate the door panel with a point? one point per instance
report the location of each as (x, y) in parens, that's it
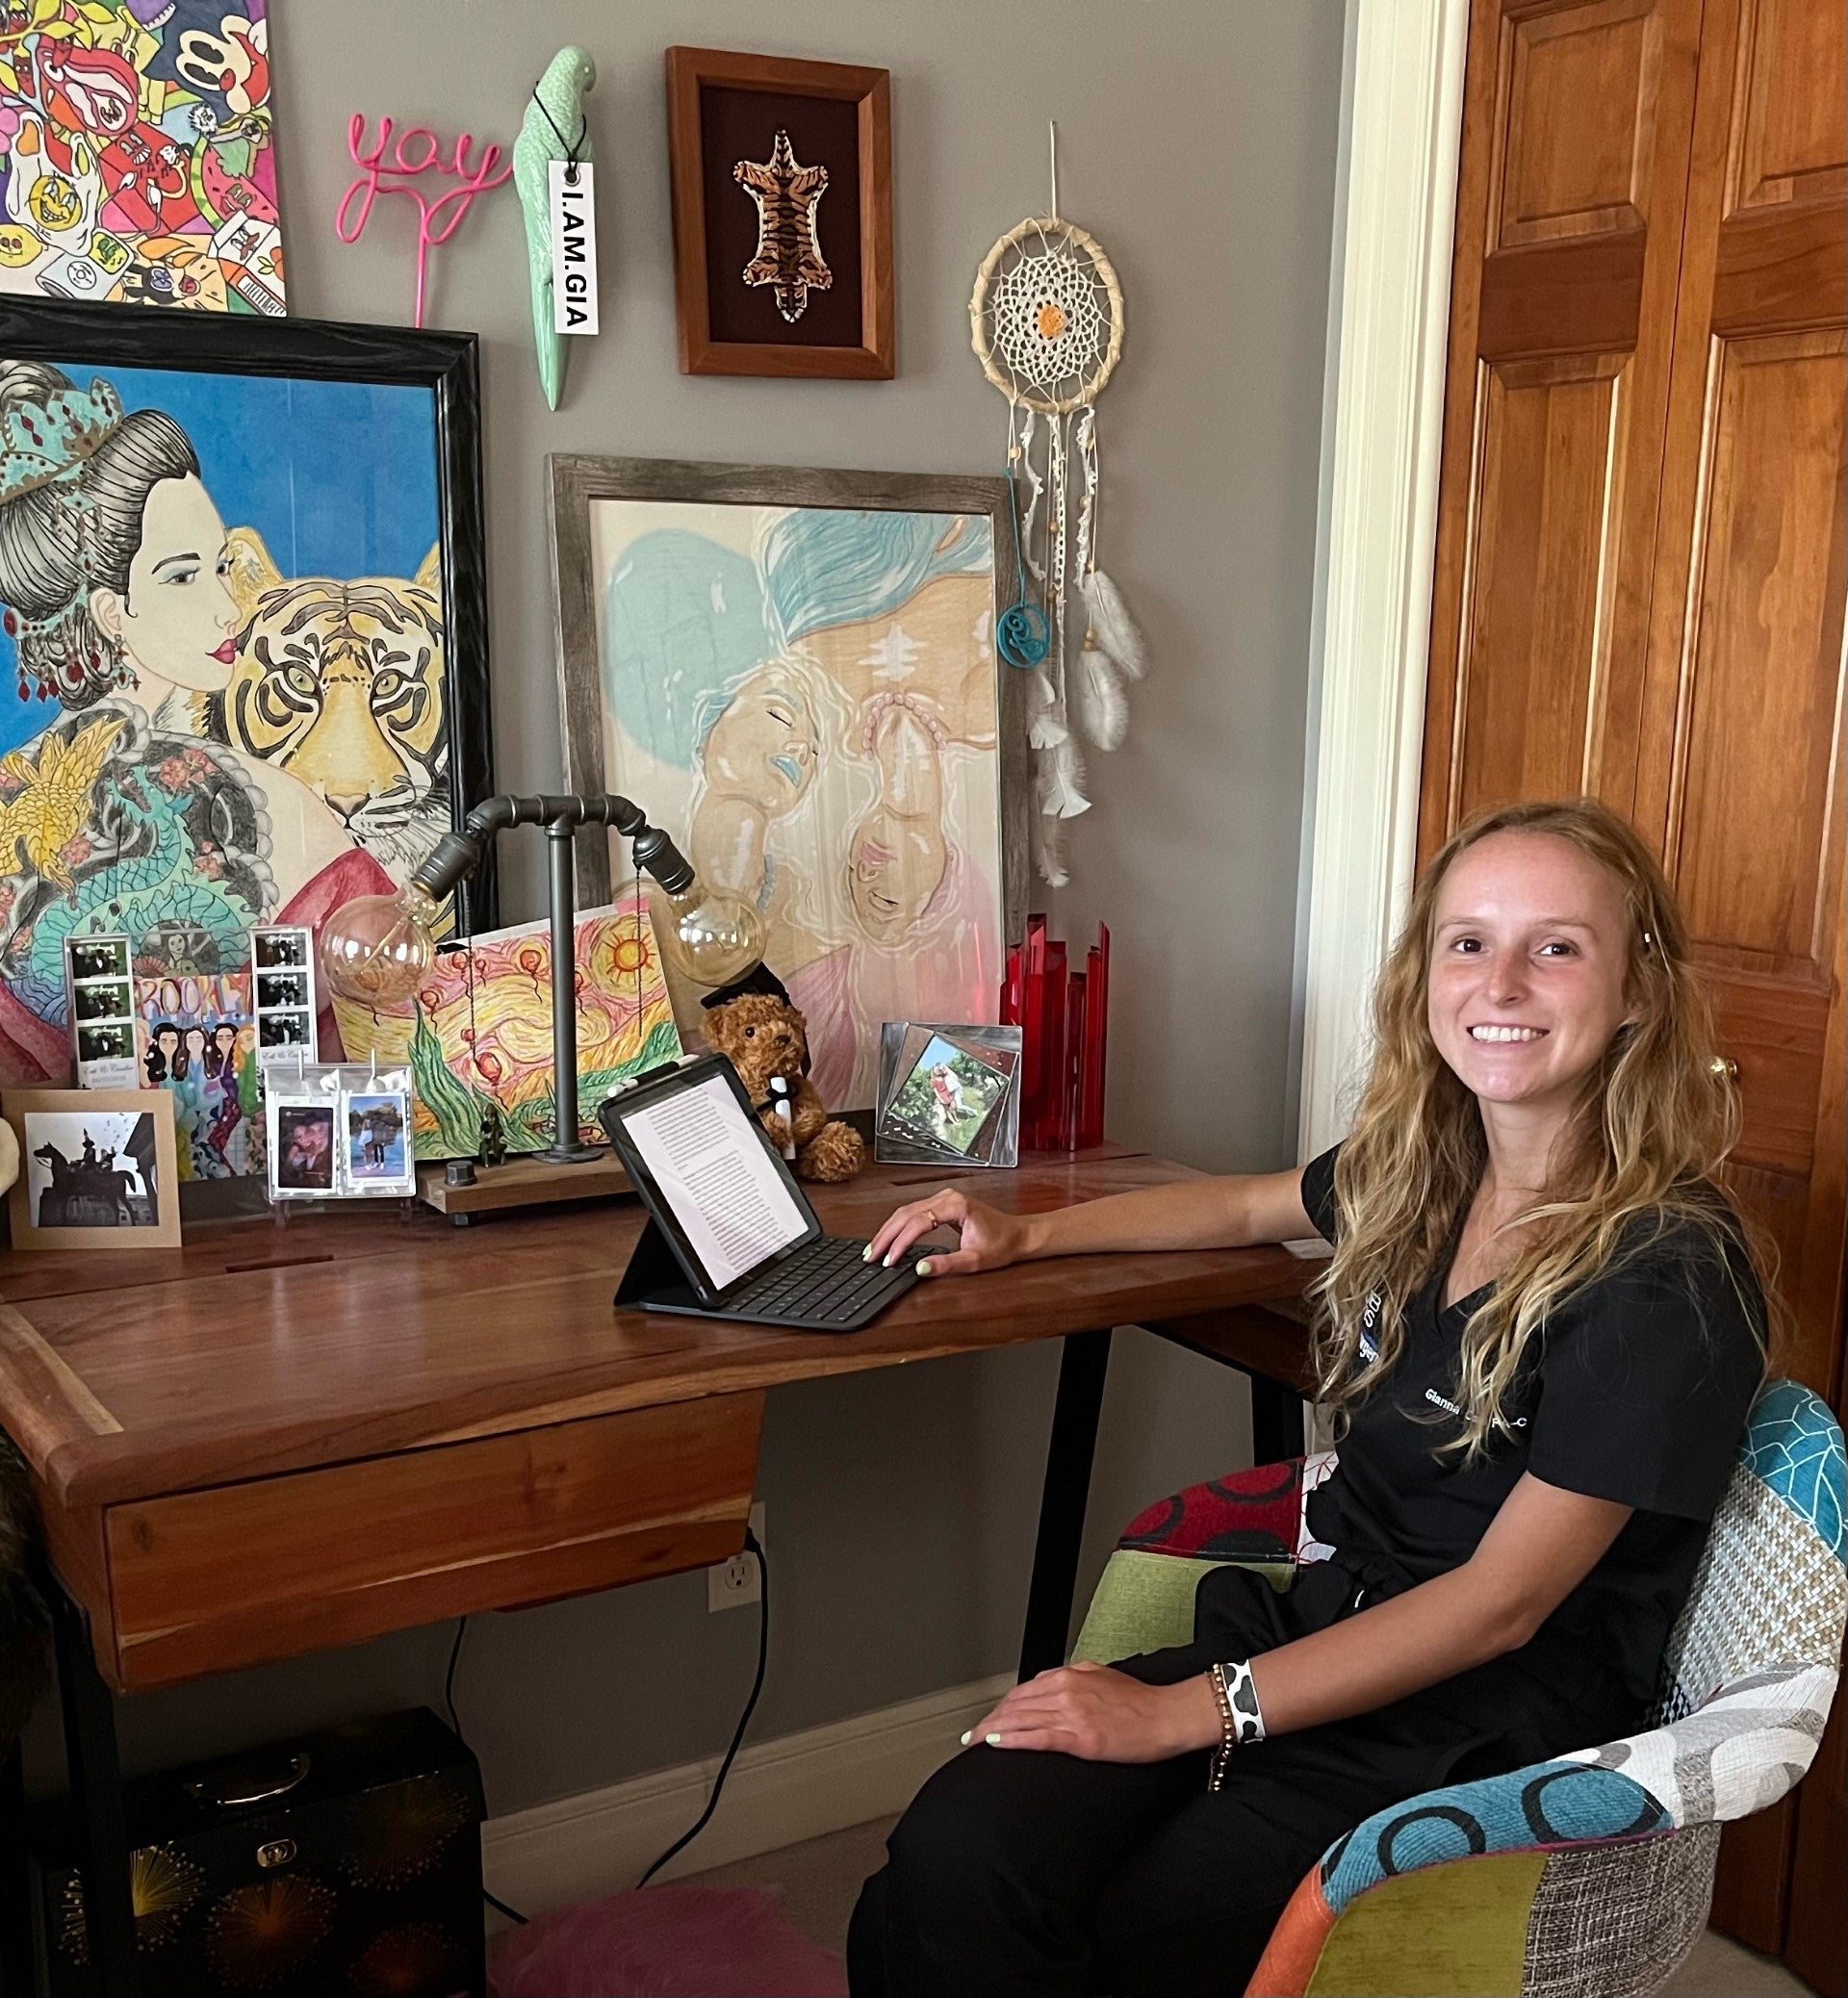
(1554, 177)
(1785, 138)
(1550, 461)
(1571, 186)
(1760, 672)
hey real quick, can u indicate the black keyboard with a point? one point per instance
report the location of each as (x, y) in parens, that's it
(828, 1284)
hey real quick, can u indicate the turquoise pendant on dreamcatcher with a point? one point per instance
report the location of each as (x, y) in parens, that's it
(1046, 321)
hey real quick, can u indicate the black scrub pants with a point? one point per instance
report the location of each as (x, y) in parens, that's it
(1019, 1872)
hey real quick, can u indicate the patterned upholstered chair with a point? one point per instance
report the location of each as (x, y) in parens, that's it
(1589, 1876)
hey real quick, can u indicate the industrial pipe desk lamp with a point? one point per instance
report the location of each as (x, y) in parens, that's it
(375, 949)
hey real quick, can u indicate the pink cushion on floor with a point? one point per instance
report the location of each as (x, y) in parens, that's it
(665, 1942)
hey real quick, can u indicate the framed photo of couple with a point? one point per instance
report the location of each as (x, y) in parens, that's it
(242, 652)
(794, 673)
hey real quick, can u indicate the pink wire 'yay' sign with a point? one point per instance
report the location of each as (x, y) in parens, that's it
(418, 151)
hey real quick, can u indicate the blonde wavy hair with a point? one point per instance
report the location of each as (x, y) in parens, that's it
(1649, 1134)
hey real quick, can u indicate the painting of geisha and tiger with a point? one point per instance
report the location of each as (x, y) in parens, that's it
(222, 682)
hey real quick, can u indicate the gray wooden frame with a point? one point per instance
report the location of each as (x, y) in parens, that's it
(577, 481)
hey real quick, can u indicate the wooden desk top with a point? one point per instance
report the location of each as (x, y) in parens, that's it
(263, 1347)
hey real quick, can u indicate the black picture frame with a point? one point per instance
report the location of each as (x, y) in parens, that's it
(447, 362)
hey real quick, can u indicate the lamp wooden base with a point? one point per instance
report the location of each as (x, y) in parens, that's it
(522, 1182)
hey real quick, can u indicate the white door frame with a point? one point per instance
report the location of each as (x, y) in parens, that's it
(1380, 527)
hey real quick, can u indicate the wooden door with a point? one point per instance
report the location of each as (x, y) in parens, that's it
(1741, 767)
(1641, 580)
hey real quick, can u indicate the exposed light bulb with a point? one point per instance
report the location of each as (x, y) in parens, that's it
(711, 936)
(375, 949)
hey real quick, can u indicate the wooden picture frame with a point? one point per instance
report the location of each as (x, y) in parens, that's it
(137, 1123)
(846, 712)
(260, 404)
(729, 326)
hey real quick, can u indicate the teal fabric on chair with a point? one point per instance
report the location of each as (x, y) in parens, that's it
(1589, 1876)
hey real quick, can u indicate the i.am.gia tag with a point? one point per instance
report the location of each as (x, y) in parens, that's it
(572, 208)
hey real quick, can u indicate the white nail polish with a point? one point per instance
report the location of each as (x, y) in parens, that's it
(968, 1735)
(993, 1740)
(866, 1254)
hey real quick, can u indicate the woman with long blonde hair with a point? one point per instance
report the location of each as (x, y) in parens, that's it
(1540, 1332)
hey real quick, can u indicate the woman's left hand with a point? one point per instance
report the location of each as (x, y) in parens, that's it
(1102, 1716)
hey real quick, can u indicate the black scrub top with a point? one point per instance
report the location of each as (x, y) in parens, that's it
(1637, 1391)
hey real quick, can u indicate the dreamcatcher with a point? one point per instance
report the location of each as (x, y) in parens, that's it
(1046, 321)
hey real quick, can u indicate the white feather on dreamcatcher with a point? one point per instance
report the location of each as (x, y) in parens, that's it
(1046, 321)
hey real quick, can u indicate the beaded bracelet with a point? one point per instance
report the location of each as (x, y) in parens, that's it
(1241, 1717)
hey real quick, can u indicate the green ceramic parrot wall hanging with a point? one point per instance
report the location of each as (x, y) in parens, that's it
(554, 128)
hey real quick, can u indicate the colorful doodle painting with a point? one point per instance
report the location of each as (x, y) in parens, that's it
(222, 667)
(200, 1044)
(805, 697)
(478, 1034)
(138, 156)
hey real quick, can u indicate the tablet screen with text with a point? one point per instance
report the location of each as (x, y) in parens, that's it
(717, 1177)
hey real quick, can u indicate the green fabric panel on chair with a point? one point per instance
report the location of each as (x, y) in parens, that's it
(1456, 1930)
(1145, 1602)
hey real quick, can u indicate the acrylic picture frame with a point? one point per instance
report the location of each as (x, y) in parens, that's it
(813, 578)
(205, 361)
(836, 110)
(918, 1122)
(135, 1123)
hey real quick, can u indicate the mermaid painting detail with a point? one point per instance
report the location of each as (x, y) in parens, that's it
(808, 697)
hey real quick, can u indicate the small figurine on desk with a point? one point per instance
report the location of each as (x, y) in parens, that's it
(752, 1023)
(492, 1144)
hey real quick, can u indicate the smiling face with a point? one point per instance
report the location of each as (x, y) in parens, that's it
(766, 742)
(176, 618)
(1529, 961)
(894, 866)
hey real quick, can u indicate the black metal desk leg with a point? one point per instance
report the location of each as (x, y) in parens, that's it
(1062, 1504)
(97, 1802)
(1276, 1421)
(16, 1906)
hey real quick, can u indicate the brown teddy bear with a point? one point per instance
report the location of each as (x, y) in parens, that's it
(765, 1038)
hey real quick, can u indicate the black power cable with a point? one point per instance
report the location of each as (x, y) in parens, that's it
(755, 1551)
(494, 1900)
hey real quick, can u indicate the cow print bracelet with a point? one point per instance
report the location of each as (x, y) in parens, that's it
(1241, 1717)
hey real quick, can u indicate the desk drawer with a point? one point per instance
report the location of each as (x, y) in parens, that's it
(205, 1581)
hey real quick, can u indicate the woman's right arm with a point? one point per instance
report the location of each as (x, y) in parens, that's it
(1231, 1212)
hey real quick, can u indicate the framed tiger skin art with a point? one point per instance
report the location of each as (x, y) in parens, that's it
(782, 214)
(242, 652)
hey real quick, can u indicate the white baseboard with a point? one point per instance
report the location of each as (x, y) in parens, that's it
(779, 1793)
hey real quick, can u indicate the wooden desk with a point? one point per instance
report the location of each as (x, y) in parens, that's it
(287, 1437)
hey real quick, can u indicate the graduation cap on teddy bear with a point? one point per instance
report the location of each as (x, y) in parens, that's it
(759, 979)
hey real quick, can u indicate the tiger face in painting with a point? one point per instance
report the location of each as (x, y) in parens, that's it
(341, 684)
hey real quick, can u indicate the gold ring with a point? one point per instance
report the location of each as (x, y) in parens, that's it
(930, 1218)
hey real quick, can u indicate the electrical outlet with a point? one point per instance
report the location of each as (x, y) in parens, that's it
(735, 1583)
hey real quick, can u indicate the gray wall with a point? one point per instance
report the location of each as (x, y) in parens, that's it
(1198, 141)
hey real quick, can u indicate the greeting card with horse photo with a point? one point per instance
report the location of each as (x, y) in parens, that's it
(97, 1170)
(243, 674)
